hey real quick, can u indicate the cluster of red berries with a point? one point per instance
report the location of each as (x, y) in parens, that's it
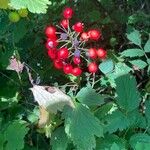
(71, 56)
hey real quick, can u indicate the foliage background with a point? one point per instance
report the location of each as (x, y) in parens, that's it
(112, 114)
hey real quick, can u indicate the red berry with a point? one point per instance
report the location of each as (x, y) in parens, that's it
(67, 13)
(64, 23)
(92, 53)
(63, 53)
(67, 69)
(50, 32)
(51, 43)
(58, 64)
(92, 67)
(52, 53)
(94, 34)
(76, 60)
(78, 27)
(76, 71)
(84, 36)
(101, 53)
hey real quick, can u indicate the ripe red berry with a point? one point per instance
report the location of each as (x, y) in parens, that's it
(64, 23)
(51, 43)
(76, 60)
(92, 53)
(63, 53)
(58, 64)
(67, 13)
(84, 36)
(92, 67)
(76, 71)
(67, 69)
(101, 53)
(50, 32)
(78, 27)
(52, 53)
(94, 34)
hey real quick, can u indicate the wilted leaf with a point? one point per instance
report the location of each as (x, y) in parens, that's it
(51, 98)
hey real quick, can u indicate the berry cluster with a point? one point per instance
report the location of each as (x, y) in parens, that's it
(66, 46)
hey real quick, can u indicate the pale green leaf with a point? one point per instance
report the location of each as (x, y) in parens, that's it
(34, 6)
(88, 96)
(106, 66)
(147, 46)
(15, 134)
(128, 96)
(139, 63)
(82, 127)
(132, 53)
(135, 37)
(59, 139)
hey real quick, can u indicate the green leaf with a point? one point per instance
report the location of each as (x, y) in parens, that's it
(139, 63)
(106, 66)
(59, 139)
(142, 146)
(135, 37)
(15, 134)
(139, 138)
(132, 53)
(82, 127)
(128, 97)
(88, 96)
(3, 4)
(36, 6)
(147, 46)
(114, 147)
(108, 141)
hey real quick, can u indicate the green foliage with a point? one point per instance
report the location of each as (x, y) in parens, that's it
(88, 96)
(59, 139)
(81, 119)
(14, 135)
(36, 6)
(106, 66)
(132, 53)
(128, 97)
(134, 36)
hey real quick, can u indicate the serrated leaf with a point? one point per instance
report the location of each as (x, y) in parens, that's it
(109, 140)
(139, 63)
(128, 97)
(59, 139)
(82, 127)
(139, 138)
(3, 4)
(117, 120)
(36, 6)
(135, 37)
(132, 53)
(88, 96)
(147, 46)
(19, 130)
(106, 66)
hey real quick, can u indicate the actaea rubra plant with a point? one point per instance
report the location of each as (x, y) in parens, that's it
(67, 46)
